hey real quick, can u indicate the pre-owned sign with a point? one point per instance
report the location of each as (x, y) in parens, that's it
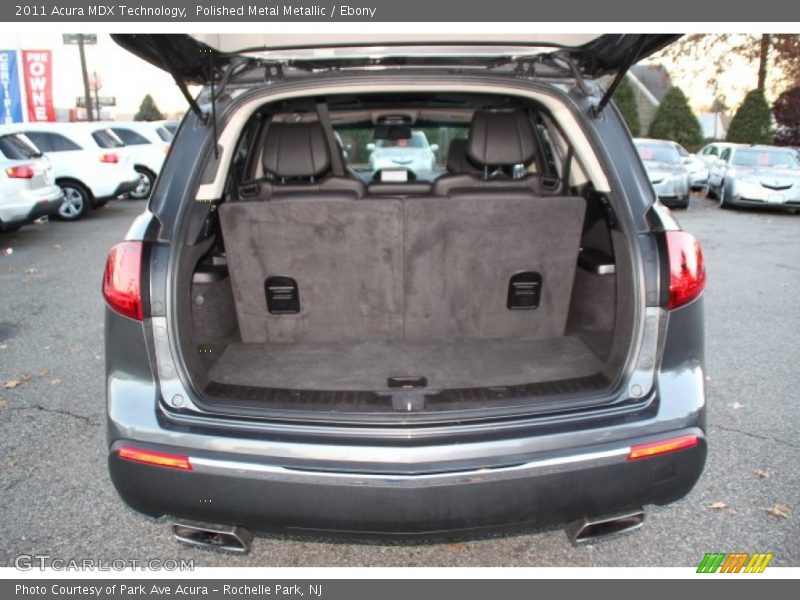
(38, 68)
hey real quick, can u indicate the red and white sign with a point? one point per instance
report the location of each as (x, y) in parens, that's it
(38, 68)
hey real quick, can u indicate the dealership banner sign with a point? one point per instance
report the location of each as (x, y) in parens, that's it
(37, 66)
(10, 96)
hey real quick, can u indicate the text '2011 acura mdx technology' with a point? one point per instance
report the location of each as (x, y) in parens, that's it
(296, 342)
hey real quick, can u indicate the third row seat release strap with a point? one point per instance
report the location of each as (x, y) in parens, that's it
(337, 167)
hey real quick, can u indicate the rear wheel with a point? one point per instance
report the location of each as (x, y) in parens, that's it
(146, 180)
(723, 203)
(76, 201)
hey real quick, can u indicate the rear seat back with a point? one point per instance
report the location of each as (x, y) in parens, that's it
(460, 257)
(497, 139)
(296, 160)
(415, 269)
(345, 256)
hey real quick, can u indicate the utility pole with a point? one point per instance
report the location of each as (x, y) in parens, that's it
(87, 92)
(81, 40)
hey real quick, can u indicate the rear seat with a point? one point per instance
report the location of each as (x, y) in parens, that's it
(415, 269)
(296, 160)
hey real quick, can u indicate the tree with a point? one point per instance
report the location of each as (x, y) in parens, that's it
(752, 122)
(787, 114)
(713, 54)
(148, 111)
(674, 120)
(625, 100)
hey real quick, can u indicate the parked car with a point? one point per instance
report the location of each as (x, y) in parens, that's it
(756, 176)
(695, 167)
(289, 347)
(413, 153)
(27, 184)
(148, 144)
(665, 170)
(710, 152)
(170, 125)
(89, 162)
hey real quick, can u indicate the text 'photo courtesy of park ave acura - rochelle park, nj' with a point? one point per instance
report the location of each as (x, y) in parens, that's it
(291, 295)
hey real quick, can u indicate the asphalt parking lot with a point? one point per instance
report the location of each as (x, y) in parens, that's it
(57, 498)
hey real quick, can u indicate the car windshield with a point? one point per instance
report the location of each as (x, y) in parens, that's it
(17, 146)
(753, 157)
(665, 153)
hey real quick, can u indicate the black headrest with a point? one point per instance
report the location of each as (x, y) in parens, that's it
(296, 150)
(457, 160)
(501, 137)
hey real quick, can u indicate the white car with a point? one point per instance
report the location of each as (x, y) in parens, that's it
(414, 154)
(696, 167)
(90, 163)
(148, 144)
(27, 185)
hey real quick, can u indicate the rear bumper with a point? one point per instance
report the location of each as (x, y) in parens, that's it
(32, 205)
(545, 490)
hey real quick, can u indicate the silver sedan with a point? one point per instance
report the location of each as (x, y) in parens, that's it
(756, 176)
(666, 171)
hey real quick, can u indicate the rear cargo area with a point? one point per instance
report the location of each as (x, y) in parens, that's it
(418, 290)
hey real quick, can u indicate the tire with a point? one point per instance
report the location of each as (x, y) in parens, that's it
(77, 201)
(721, 196)
(145, 186)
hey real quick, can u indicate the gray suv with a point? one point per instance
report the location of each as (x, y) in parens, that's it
(517, 341)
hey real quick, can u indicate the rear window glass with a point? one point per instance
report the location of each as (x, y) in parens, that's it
(130, 137)
(17, 146)
(751, 157)
(106, 138)
(659, 153)
(164, 134)
(424, 154)
(47, 141)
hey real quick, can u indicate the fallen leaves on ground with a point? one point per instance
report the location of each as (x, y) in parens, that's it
(12, 383)
(57, 246)
(12, 462)
(25, 377)
(737, 406)
(762, 473)
(779, 511)
(44, 372)
(31, 271)
(718, 505)
(55, 382)
(3, 402)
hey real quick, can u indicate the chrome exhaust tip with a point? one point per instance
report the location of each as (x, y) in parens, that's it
(591, 529)
(210, 535)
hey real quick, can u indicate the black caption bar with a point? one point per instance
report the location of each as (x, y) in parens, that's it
(517, 11)
(344, 589)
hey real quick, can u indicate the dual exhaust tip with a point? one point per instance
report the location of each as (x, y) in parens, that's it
(590, 529)
(238, 539)
(209, 535)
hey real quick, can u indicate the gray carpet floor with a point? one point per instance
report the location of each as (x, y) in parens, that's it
(367, 365)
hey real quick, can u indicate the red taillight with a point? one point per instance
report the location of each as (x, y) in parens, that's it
(109, 157)
(122, 280)
(20, 172)
(663, 446)
(687, 274)
(155, 458)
